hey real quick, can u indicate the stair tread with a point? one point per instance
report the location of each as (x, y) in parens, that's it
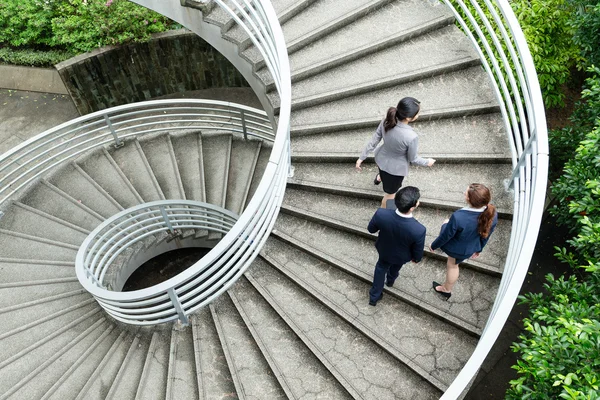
(241, 169)
(158, 151)
(348, 349)
(390, 19)
(473, 295)
(259, 169)
(17, 272)
(473, 134)
(468, 87)
(216, 151)
(188, 152)
(153, 384)
(181, 379)
(12, 247)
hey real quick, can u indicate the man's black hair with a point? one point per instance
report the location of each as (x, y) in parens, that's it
(406, 198)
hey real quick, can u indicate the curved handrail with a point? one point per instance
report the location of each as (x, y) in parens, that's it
(503, 50)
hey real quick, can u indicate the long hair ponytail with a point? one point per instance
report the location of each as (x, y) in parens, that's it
(408, 107)
(479, 196)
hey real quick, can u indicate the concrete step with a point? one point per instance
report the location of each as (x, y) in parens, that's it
(216, 149)
(244, 155)
(161, 157)
(250, 372)
(353, 215)
(133, 162)
(299, 372)
(12, 244)
(472, 297)
(442, 184)
(23, 362)
(37, 382)
(103, 169)
(188, 153)
(181, 375)
(100, 382)
(76, 183)
(465, 88)
(469, 137)
(153, 381)
(73, 379)
(52, 200)
(389, 19)
(449, 52)
(16, 270)
(127, 380)
(343, 347)
(31, 221)
(434, 350)
(259, 170)
(214, 378)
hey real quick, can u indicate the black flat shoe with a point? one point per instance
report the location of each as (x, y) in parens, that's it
(375, 181)
(445, 295)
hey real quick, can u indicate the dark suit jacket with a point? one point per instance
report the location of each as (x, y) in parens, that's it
(400, 239)
(459, 237)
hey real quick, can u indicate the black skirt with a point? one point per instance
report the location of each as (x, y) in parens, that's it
(391, 183)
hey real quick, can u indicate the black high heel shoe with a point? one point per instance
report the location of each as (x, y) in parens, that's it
(376, 181)
(445, 295)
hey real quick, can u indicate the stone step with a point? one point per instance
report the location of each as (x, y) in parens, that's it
(250, 372)
(132, 160)
(103, 169)
(161, 156)
(76, 183)
(52, 300)
(31, 221)
(244, 155)
(12, 244)
(390, 20)
(25, 360)
(72, 380)
(153, 381)
(214, 378)
(357, 255)
(37, 382)
(353, 214)
(188, 153)
(465, 88)
(51, 200)
(299, 372)
(181, 375)
(127, 380)
(216, 155)
(16, 270)
(99, 383)
(470, 136)
(352, 355)
(386, 69)
(434, 350)
(259, 169)
(442, 184)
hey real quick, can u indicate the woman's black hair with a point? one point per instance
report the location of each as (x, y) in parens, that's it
(407, 107)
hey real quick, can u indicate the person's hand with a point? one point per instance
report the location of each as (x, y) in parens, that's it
(475, 255)
(430, 162)
(358, 163)
(430, 249)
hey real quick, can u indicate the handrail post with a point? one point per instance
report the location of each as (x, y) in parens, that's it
(165, 216)
(178, 307)
(244, 129)
(118, 142)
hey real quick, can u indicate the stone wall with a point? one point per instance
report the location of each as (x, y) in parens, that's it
(172, 62)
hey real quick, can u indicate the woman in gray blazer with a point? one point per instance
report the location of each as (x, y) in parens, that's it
(399, 148)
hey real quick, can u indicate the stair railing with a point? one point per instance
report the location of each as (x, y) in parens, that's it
(497, 36)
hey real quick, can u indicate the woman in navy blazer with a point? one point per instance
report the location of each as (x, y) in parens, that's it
(465, 234)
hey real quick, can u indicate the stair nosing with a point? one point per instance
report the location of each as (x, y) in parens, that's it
(97, 186)
(122, 175)
(115, 383)
(51, 217)
(39, 239)
(72, 200)
(41, 300)
(155, 183)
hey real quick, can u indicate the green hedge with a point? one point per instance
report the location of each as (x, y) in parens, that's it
(33, 58)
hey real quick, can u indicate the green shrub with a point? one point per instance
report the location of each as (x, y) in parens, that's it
(33, 58)
(27, 22)
(560, 349)
(586, 24)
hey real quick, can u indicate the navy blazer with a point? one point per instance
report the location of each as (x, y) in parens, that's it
(400, 239)
(459, 237)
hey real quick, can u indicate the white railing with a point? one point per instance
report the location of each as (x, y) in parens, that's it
(497, 36)
(131, 230)
(42, 153)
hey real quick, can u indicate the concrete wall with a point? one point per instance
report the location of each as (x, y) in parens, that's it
(172, 62)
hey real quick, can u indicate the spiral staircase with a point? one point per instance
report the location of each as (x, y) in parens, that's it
(297, 324)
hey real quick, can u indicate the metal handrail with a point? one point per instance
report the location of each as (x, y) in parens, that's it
(503, 50)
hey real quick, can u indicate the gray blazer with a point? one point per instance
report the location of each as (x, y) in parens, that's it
(399, 149)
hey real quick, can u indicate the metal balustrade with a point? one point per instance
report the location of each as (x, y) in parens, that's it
(499, 40)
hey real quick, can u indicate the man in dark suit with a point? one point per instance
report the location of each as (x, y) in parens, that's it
(401, 239)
